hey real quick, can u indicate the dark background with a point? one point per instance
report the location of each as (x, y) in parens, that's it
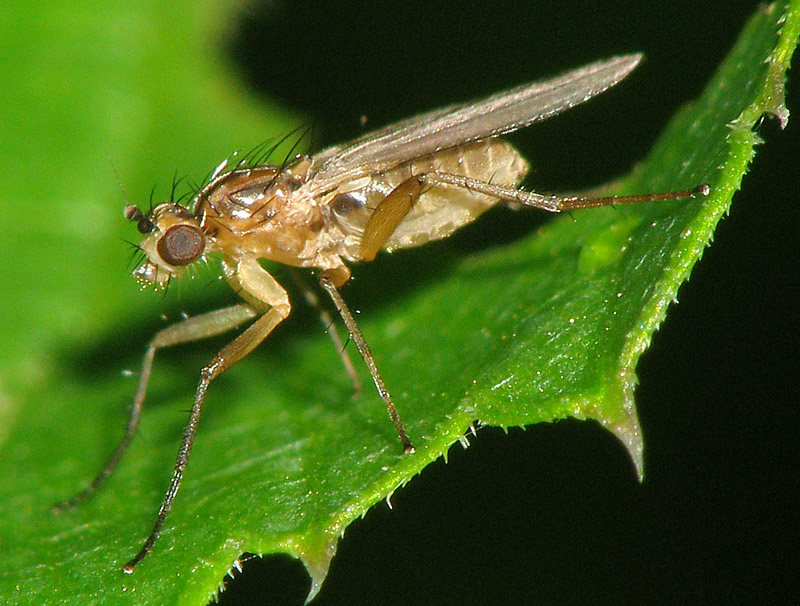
(554, 514)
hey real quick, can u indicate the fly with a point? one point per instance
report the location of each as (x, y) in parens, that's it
(404, 185)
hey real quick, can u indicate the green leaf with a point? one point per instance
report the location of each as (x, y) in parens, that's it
(552, 326)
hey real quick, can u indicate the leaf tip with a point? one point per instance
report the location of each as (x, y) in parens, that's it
(631, 437)
(626, 426)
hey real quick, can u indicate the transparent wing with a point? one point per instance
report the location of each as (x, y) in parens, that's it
(451, 126)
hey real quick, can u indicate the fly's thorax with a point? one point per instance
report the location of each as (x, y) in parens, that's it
(251, 193)
(256, 212)
(173, 239)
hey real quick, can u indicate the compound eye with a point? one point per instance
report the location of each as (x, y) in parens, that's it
(181, 244)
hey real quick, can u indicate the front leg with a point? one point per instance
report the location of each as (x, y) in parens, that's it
(258, 285)
(192, 329)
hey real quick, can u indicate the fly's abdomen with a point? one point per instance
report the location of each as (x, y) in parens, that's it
(440, 209)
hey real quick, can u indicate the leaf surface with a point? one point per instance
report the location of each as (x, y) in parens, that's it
(546, 327)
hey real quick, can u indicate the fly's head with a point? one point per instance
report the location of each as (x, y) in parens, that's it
(172, 240)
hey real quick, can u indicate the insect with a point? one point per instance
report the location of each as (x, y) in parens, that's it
(404, 185)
